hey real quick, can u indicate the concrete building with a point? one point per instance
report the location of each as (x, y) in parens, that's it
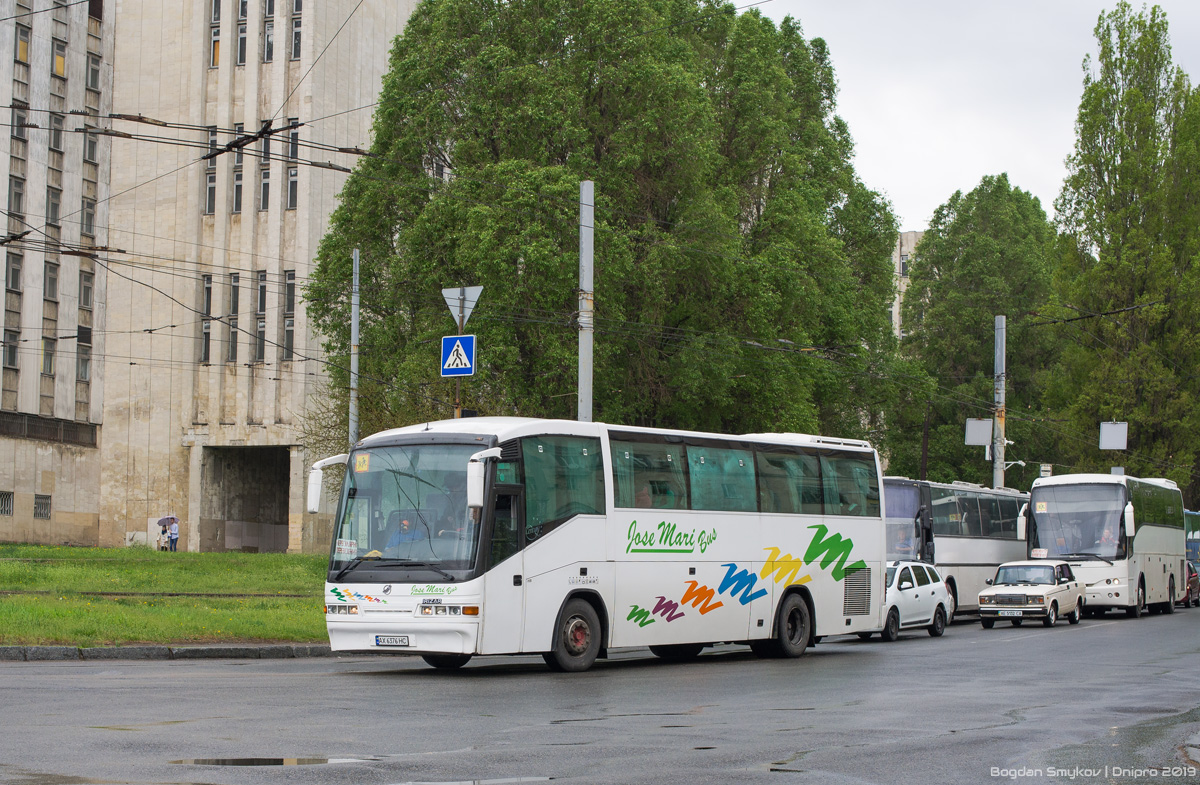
(906, 243)
(56, 72)
(210, 361)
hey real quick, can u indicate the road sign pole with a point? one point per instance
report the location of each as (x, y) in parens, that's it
(461, 301)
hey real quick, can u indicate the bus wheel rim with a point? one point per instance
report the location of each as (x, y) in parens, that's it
(577, 636)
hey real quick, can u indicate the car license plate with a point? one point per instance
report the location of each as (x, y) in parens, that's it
(1010, 613)
(391, 640)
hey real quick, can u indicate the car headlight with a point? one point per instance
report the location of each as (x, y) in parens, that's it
(1035, 599)
(986, 600)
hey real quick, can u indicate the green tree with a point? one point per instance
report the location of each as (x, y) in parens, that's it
(1129, 278)
(742, 268)
(985, 254)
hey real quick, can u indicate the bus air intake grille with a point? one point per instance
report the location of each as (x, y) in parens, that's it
(857, 585)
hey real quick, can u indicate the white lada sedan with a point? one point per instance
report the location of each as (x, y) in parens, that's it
(1040, 589)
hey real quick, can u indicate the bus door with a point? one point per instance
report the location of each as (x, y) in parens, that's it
(504, 582)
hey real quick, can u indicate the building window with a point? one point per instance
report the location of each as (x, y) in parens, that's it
(268, 41)
(12, 339)
(241, 45)
(237, 190)
(51, 273)
(242, 9)
(83, 363)
(41, 507)
(205, 341)
(215, 55)
(289, 291)
(86, 284)
(212, 147)
(22, 50)
(265, 190)
(20, 119)
(260, 342)
(234, 281)
(289, 339)
(296, 5)
(93, 72)
(48, 346)
(231, 354)
(206, 296)
(239, 130)
(210, 193)
(296, 38)
(6, 502)
(56, 132)
(58, 59)
(262, 291)
(216, 11)
(293, 139)
(264, 146)
(269, 8)
(12, 272)
(293, 188)
(53, 205)
(16, 195)
(87, 217)
(90, 148)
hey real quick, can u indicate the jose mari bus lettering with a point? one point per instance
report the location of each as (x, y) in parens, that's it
(666, 537)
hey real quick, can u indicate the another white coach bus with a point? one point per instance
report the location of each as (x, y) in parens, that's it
(1123, 536)
(570, 539)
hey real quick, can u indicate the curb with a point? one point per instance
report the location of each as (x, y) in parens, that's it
(270, 651)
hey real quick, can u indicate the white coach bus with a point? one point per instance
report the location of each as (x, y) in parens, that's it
(1123, 536)
(964, 529)
(570, 539)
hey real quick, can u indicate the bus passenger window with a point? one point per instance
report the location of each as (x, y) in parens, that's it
(505, 537)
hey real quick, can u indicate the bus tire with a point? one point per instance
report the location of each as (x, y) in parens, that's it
(793, 626)
(866, 636)
(446, 662)
(1136, 611)
(891, 627)
(939, 623)
(576, 638)
(677, 652)
(1170, 605)
(953, 600)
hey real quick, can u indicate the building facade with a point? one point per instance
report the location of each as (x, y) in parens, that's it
(221, 196)
(906, 243)
(56, 70)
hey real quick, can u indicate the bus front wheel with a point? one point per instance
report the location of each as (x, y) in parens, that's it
(792, 629)
(446, 662)
(576, 638)
(1136, 611)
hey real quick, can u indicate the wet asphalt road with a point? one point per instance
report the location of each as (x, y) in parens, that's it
(1105, 701)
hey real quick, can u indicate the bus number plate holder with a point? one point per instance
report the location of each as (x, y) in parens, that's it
(391, 640)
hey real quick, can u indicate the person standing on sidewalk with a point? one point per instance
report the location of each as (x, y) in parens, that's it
(173, 532)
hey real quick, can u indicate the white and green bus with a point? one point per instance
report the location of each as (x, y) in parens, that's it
(1123, 536)
(571, 539)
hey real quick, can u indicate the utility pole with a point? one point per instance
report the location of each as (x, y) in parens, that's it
(354, 354)
(998, 421)
(587, 212)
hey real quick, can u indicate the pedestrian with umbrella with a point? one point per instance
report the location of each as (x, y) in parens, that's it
(169, 536)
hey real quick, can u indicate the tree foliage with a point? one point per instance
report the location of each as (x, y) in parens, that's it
(985, 254)
(742, 269)
(1130, 209)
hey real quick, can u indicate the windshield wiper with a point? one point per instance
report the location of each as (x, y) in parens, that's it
(350, 565)
(1095, 556)
(430, 565)
(357, 560)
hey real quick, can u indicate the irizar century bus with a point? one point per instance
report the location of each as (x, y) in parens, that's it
(570, 539)
(1123, 536)
(965, 530)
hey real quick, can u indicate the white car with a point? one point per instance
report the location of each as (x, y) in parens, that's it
(916, 597)
(1038, 589)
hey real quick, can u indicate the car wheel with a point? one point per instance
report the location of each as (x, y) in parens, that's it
(988, 623)
(1136, 611)
(939, 623)
(1017, 622)
(866, 636)
(576, 638)
(1196, 601)
(677, 652)
(891, 628)
(1074, 616)
(446, 662)
(1051, 616)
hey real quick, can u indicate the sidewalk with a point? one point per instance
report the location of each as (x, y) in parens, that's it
(264, 651)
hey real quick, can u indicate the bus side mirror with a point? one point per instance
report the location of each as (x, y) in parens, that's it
(1129, 527)
(476, 468)
(1021, 522)
(315, 477)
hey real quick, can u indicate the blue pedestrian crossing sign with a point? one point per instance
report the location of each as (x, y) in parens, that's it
(458, 355)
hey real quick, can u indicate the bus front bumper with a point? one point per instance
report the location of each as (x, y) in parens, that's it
(403, 636)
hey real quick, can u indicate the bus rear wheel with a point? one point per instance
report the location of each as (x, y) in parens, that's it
(576, 638)
(677, 652)
(446, 662)
(1169, 605)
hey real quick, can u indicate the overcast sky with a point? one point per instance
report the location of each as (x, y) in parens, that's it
(939, 93)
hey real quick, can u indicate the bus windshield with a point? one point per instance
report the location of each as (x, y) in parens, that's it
(404, 511)
(1079, 521)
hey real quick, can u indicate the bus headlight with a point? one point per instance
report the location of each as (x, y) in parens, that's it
(339, 609)
(449, 610)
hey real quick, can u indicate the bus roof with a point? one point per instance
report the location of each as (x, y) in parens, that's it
(1101, 479)
(506, 428)
(959, 485)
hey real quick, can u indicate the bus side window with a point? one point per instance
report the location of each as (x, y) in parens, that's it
(506, 539)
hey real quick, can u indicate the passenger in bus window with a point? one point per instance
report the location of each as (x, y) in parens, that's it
(642, 498)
